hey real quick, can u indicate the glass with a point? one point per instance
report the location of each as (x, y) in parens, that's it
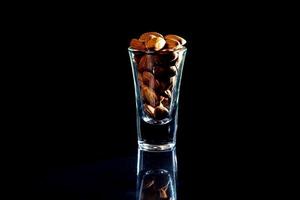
(157, 76)
(156, 175)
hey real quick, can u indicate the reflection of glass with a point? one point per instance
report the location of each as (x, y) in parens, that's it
(157, 77)
(156, 175)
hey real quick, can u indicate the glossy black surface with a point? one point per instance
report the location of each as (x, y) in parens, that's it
(117, 178)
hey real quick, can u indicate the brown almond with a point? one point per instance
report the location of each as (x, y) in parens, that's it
(145, 36)
(163, 194)
(172, 44)
(149, 110)
(149, 96)
(176, 37)
(155, 44)
(146, 63)
(161, 112)
(165, 101)
(150, 183)
(149, 80)
(138, 45)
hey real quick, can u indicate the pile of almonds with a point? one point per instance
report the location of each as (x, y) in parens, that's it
(157, 58)
(156, 187)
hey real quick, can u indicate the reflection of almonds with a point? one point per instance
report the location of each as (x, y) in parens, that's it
(163, 194)
(146, 63)
(136, 44)
(145, 36)
(148, 184)
(161, 112)
(165, 187)
(149, 96)
(155, 44)
(149, 110)
(172, 44)
(176, 37)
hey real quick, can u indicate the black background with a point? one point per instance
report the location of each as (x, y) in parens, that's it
(76, 101)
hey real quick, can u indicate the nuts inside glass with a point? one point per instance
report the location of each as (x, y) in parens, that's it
(157, 76)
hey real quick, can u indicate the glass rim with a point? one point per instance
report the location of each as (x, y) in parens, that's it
(183, 48)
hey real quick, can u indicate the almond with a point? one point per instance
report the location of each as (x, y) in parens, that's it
(146, 63)
(172, 44)
(136, 44)
(176, 37)
(165, 101)
(155, 44)
(149, 80)
(149, 96)
(163, 194)
(145, 36)
(161, 112)
(149, 110)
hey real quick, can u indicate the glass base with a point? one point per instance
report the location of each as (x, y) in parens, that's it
(153, 147)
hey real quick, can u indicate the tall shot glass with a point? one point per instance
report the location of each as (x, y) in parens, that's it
(157, 77)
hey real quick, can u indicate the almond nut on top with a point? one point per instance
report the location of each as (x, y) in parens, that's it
(156, 43)
(138, 45)
(173, 44)
(145, 36)
(176, 37)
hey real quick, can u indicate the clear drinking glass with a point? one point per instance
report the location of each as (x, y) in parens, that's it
(156, 175)
(157, 76)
